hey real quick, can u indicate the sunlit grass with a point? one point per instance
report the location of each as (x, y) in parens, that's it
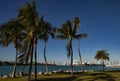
(14, 79)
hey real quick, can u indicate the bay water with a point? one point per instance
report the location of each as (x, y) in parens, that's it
(6, 70)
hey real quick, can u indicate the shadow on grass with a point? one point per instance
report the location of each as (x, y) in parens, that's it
(103, 77)
(57, 79)
(83, 77)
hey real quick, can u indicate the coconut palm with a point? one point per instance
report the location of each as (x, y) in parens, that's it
(102, 55)
(11, 33)
(28, 17)
(47, 30)
(69, 31)
(83, 35)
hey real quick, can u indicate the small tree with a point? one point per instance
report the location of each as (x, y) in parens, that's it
(103, 55)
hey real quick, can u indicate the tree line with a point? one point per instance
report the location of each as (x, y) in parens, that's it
(28, 28)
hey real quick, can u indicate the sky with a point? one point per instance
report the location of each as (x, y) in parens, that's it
(100, 19)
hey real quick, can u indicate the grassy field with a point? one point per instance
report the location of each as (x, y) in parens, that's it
(87, 76)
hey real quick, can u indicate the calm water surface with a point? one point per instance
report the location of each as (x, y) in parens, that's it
(6, 70)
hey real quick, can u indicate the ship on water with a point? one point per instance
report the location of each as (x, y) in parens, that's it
(87, 63)
(113, 64)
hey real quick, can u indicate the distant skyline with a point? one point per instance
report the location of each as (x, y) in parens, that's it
(99, 18)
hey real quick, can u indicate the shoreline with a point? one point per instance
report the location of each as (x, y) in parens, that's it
(6, 70)
(21, 74)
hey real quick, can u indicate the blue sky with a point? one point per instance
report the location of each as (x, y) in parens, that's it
(99, 18)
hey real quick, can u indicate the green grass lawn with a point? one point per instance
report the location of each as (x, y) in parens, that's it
(87, 76)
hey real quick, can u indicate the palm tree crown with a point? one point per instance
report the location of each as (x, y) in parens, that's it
(103, 55)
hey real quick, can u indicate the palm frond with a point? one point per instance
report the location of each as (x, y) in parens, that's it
(52, 35)
(79, 36)
(102, 54)
(61, 37)
(77, 22)
(28, 16)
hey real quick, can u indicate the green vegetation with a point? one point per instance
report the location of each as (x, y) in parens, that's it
(27, 28)
(83, 35)
(48, 30)
(11, 33)
(68, 31)
(85, 76)
(102, 55)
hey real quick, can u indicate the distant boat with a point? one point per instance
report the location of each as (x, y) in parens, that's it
(113, 65)
(110, 64)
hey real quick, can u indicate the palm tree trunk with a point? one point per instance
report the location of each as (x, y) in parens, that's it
(71, 58)
(31, 60)
(103, 65)
(35, 44)
(80, 60)
(72, 64)
(45, 57)
(80, 53)
(14, 69)
(102, 62)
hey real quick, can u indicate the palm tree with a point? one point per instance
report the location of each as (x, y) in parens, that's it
(47, 30)
(103, 55)
(11, 33)
(83, 35)
(28, 17)
(68, 31)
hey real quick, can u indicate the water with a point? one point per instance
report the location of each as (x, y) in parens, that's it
(6, 70)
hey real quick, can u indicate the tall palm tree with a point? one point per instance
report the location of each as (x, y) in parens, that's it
(11, 33)
(28, 17)
(69, 31)
(102, 55)
(47, 30)
(83, 35)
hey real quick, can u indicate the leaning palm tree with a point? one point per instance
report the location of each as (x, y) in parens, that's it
(28, 17)
(11, 33)
(69, 31)
(102, 55)
(83, 35)
(46, 31)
